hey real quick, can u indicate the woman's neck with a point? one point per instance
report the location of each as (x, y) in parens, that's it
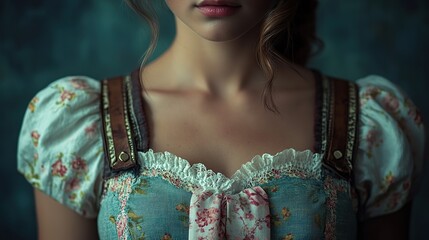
(219, 68)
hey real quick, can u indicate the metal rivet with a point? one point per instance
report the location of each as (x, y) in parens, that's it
(124, 157)
(338, 154)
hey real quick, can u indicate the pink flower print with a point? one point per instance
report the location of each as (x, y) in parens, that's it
(206, 217)
(58, 169)
(249, 193)
(73, 185)
(124, 191)
(243, 201)
(121, 225)
(67, 96)
(262, 194)
(372, 140)
(64, 96)
(415, 115)
(35, 136)
(114, 184)
(249, 216)
(79, 83)
(268, 221)
(391, 103)
(372, 137)
(204, 196)
(245, 220)
(79, 164)
(91, 130)
(249, 237)
(256, 196)
(372, 92)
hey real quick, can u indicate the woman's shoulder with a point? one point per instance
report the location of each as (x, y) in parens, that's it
(385, 107)
(390, 147)
(65, 94)
(60, 144)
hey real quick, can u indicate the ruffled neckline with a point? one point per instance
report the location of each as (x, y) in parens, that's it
(259, 170)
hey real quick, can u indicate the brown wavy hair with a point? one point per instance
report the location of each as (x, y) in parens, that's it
(288, 34)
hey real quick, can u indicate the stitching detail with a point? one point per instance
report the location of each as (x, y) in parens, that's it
(107, 125)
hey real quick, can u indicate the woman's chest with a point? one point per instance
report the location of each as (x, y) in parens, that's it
(224, 137)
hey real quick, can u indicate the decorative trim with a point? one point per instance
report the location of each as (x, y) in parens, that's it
(121, 186)
(261, 169)
(352, 122)
(107, 124)
(331, 209)
(128, 105)
(341, 128)
(118, 132)
(326, 109)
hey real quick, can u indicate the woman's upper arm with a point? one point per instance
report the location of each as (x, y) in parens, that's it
(56, 221)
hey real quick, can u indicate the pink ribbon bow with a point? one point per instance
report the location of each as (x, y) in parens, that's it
(245, 215)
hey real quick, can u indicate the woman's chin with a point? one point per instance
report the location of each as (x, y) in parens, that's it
(221, 34)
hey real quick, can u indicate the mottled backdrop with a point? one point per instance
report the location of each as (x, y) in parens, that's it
(41, 41)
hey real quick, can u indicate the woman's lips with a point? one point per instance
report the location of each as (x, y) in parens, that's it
(211, 8)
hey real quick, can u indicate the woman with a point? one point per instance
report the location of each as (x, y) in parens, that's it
(215, 162)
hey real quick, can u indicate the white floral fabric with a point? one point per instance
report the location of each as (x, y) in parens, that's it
(245, 215)
(390, 149)
(60, 149)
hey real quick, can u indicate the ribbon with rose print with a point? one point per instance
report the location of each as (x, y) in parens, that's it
(244, 215)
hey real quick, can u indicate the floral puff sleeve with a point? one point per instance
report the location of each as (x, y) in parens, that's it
(390, 151)
(60, 147)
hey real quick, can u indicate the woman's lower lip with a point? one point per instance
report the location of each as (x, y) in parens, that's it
(218, 11)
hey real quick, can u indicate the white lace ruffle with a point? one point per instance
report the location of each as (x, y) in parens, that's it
(260, 170)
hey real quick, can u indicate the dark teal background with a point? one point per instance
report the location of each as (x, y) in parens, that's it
(41, 41)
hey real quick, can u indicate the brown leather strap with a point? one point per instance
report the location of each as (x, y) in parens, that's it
(118, 135)
(342, 128)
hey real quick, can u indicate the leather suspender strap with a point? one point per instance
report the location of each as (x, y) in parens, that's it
(342, 135)
(119, 143)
